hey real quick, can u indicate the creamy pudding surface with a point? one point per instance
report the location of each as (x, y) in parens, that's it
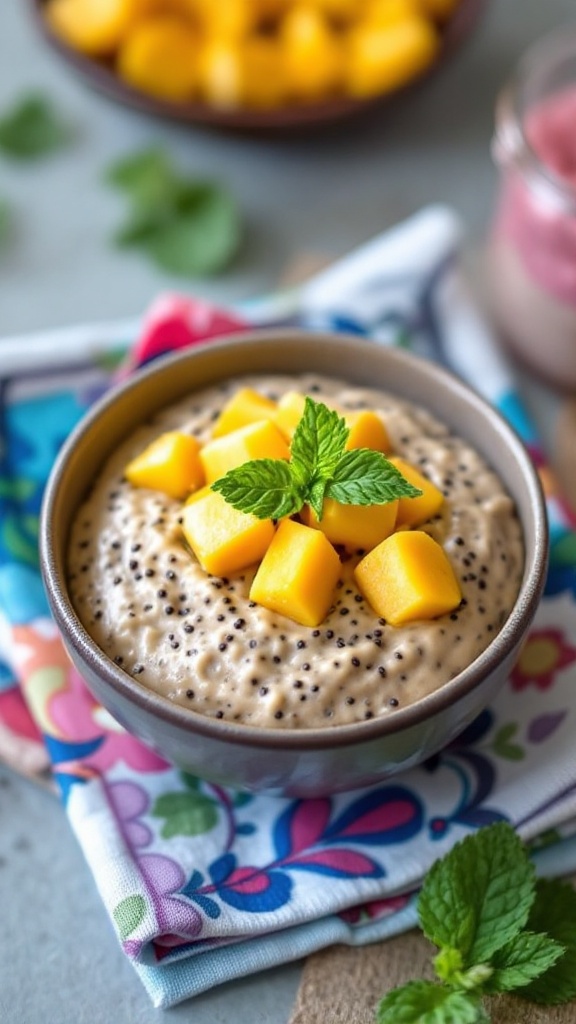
(199, 640)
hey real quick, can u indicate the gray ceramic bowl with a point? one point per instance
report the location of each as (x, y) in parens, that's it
(289, 761)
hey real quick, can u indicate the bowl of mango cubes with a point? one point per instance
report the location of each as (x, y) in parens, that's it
(255, 64)
(293, 563)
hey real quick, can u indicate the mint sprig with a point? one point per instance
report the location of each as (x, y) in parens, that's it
(32, 128)
(190, 227)
(498, 929)
(319, 467)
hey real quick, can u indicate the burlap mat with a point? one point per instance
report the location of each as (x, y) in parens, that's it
(343, 985)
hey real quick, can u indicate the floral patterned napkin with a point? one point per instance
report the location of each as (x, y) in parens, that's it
(204, 884)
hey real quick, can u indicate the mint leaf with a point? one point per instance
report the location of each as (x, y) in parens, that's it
(554, 912)
(31, 128)
(425, 1002)
(263, 487)
(478, 897)
(187, 227)
(525, 957)
(147, 178)
(202, 238)
(318, 442)
(366, 477)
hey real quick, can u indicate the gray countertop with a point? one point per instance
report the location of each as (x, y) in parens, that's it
(59, 961)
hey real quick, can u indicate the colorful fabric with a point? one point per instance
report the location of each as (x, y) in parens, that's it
(204, 884)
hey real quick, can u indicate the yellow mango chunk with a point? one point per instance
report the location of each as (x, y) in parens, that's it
(245, 407)
(298, 574)
(95, 27)
(289, 412)
(170, 464)
(312, 52)
(356, 527)
(220, 74)
(386, 12)
(408, 577)
(261, 440)
(225, 19)
(367, 431)
(381, 59)
(223, 539)
(264, 84)
(160, 57)
(415, 511)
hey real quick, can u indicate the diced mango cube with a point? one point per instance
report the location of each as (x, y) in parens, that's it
(408, 577)
(367, 431)
(386, 12)
(170, 464)
(160, 57)
(289, 412)
(381, 59)
(225, 19)
(246, 406)
(223, 539)
(415, 511)
(312, 52)
(261, 440)
(220, 74)
(298, 574)
(264, 79)
(95, 27)
(354, 526)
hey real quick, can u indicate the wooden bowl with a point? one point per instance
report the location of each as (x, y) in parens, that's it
(101, 76)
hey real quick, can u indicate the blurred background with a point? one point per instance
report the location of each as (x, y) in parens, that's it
(301, 196)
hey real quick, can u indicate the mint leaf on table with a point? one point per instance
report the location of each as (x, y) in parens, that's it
(32, 128)
(319, 466)
(525, 957)
(554, 912)
(426, 1002)
(478, 897)
(474, 904)
(147, 177)
(187, 227)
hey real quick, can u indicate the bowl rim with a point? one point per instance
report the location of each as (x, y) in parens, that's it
(103, 78)
(331, 736)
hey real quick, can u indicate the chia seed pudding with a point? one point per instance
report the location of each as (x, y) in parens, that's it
(199, 640)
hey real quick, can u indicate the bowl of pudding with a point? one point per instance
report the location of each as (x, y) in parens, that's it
(209, 660)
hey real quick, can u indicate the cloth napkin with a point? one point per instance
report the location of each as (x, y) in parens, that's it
(204, 884)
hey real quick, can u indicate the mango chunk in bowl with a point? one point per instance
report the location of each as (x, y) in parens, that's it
(251, 64)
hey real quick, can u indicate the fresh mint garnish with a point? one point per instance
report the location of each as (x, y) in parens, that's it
(498, 929)
(188, 227)
(32, 128)
(478, 897)
(319, 467)
(425, 1002)
(554, 912)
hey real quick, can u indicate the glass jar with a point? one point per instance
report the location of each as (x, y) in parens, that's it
(532, 249)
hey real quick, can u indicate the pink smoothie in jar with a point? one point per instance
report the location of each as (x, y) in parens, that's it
(533, 244)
